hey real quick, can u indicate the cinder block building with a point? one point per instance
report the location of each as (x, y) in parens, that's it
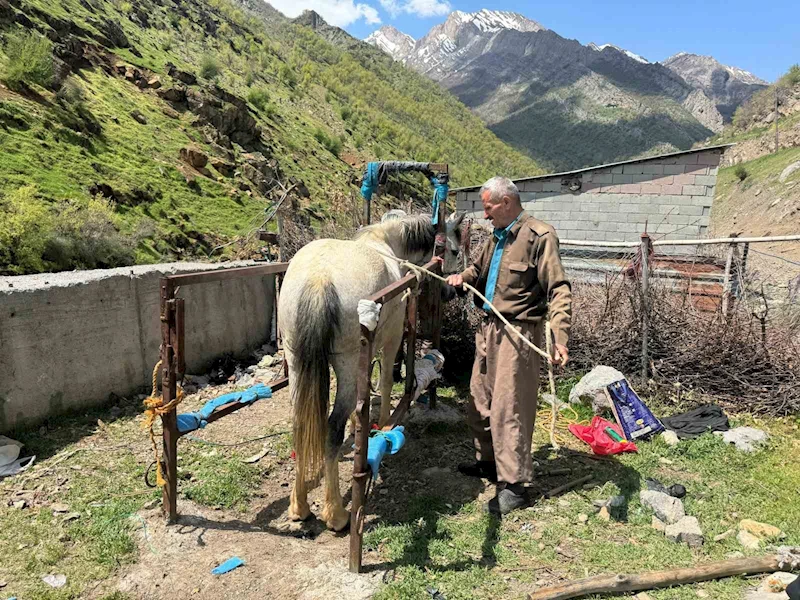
(671, 196)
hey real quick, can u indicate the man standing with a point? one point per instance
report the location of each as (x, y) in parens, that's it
(519, 270)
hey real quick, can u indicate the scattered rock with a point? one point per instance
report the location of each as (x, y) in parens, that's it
(670, 437)
(762, 531)
(59, 508)
(182, 76)
(138, 117)
(746, 439)
(642, 596)
(592, 386)
(583, 518)
(3, 584)
(20, 504)
(748, 540)
(151, 504)
(757, 595)
(668, 509)
(604, 514)
(777, 582)
(702, 594)
(687, 530)
(789, 170)
(55, 581)
(723, 536)
(196, 158)
(154, 82)
(658, 524)
(176, 95)
(228, 169)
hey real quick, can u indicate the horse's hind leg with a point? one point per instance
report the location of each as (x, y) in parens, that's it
(346, 369)
(299, 510)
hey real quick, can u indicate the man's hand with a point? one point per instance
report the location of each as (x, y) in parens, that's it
(456, 280)
(561, 355)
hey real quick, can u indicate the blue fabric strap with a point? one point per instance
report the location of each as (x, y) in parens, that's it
(439, 196)
(494, 265)
(199, 419)
(370, 181)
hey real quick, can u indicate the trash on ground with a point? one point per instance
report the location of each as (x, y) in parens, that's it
(696, 422)
(55, 581)
(229, 565)
(632, 414)
(598, 439)
(10, 463)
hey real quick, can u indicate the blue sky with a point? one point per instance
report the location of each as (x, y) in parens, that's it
(762, 38)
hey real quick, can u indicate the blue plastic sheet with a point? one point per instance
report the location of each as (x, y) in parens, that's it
(229, 565)
(199, 419)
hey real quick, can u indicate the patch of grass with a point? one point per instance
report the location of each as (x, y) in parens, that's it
(209, 67)
(740, 172)
(464, 554)
(762, 170)
(29, 59)
(215, 478)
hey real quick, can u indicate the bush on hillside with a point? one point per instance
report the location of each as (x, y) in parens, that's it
(209, 68)
(25, 225)
(29, 60)
(258, 97)
(740, 172)
(792, 77)
(332, 144)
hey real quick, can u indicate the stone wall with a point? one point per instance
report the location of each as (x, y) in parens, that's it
(69, 340)
(673, 195)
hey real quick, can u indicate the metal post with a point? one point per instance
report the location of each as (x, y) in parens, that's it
(361, 471)
(436, 291)
(169, 336)
(645, 251)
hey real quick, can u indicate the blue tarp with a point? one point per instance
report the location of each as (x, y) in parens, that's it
(197, 420)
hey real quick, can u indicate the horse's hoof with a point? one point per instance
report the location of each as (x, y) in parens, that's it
(299, 514)
(336, 519)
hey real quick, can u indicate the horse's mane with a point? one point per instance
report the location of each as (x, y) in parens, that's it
(414, 233)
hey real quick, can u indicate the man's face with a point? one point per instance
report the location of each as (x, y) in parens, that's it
(499, 212)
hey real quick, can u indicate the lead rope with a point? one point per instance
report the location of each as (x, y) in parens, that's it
(546, 355)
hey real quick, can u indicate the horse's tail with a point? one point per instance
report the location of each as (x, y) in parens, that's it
(317, 321)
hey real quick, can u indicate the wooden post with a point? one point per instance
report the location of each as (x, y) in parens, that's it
(777, 141)
(169, 335)
(367, 211)
(645, 251)
(180, 344)
(361, 471)
(727, 283)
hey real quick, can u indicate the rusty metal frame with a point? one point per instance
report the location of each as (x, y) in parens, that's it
(173, 363)
(361, 470)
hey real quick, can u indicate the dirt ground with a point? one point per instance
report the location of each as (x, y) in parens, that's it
(283, 559)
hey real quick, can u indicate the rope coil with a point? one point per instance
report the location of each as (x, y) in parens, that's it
(154, 406)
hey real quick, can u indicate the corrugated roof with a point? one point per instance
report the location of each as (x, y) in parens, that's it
(606, 166)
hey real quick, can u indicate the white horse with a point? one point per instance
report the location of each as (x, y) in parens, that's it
(319, 321)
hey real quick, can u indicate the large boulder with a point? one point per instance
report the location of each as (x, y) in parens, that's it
(591, 387)
(194, 157)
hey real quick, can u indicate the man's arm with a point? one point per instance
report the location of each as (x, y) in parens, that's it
(555, 284)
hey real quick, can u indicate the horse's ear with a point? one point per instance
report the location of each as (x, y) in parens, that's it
(456, 219)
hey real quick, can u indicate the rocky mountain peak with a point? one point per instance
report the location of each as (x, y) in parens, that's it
(395, 43)
(627, 53)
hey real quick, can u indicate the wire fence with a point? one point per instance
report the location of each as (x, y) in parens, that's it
(689, 322)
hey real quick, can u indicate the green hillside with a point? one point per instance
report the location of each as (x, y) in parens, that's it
(149, 131)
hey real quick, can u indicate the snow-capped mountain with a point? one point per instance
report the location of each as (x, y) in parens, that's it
(395, 43)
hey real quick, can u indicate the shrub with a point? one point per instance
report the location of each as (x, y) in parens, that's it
(287, 75)
(331, 144)
(258, 97)
(24, 231)
(740, 172)
(29, 60)
(209, 68)
(792, 76)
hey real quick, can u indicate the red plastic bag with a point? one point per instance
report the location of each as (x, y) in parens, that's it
(600, 442)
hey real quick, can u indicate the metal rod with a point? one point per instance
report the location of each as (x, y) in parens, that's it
(436, 291)
(728, 240)
(361, 471)
(169, 390)
(224, 274)
(645, 249)
(180, 332)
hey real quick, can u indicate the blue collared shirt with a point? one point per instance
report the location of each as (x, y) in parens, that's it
(494, 265)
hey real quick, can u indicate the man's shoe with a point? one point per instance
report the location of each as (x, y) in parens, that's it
(508, 499)
(484, 469)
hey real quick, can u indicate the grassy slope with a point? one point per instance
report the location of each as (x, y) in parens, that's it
(391, 113)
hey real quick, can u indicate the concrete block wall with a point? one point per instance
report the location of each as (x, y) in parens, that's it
(68, 340)
(673, 195)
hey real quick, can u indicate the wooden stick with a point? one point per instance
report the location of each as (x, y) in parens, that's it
(554, 413)
(658, 579)
(567, 486)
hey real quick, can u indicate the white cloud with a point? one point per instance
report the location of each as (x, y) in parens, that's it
(392, 7)
(419, 8)
(339, 13)
(427, 8)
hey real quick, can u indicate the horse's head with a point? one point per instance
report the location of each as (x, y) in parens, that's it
(453, 243)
